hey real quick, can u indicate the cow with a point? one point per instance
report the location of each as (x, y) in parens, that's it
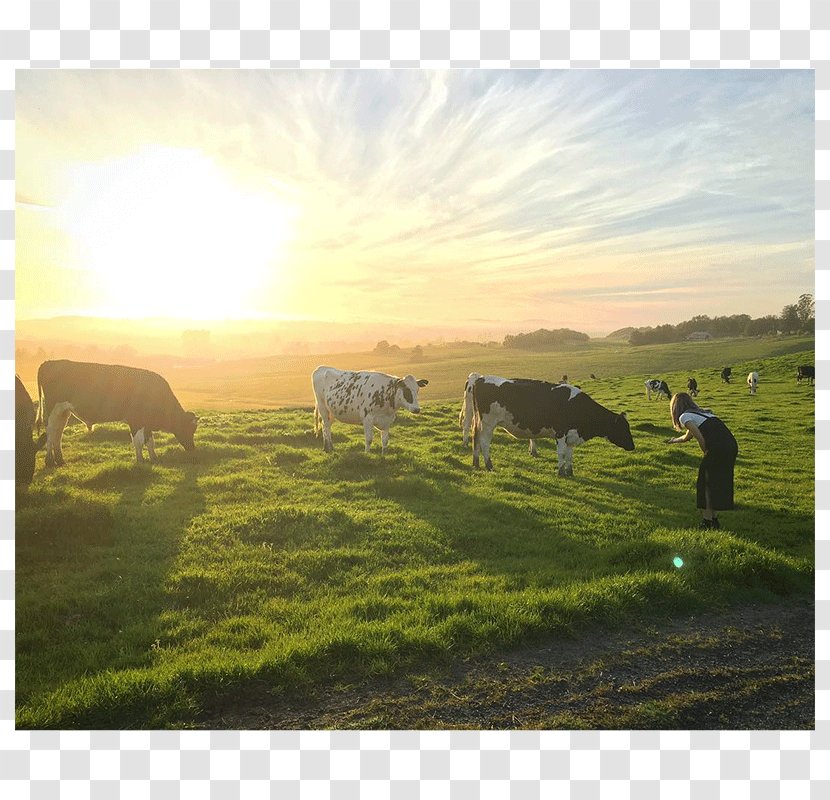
(534, 409)
(691, 385)
(370, 399)
(752, 382)
(806, 373)
(658, 386)
(467, 414)
(726, 374)
(109, 393)
(25, 447)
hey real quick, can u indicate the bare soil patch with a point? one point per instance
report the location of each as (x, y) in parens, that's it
(747, 668)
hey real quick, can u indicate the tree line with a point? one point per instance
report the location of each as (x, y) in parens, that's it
(798, 317)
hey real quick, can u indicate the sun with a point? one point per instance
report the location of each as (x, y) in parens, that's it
(167, 232)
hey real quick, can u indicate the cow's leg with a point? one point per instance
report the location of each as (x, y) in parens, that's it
(532, 447)
(138, 442)
(648, 391)
(58, 418)
(151, 445)
(384, 441)
(562, 451)
(368, 432)
(325, 420)
(484, 439)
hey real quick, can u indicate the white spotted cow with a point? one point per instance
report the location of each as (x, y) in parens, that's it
(109, 393)
(661, 388)
(537, 409)
(370, 399)
(752, 382)
(467, 413)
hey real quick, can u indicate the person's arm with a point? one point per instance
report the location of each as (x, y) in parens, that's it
(692, 432)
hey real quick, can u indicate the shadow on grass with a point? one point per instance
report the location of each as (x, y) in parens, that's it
(98, 605)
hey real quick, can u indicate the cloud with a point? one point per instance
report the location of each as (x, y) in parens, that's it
(415, 185)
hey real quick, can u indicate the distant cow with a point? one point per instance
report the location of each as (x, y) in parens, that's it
(536, 409)
(658, 386)
(25, 447)
(466, 417)
(752, 382)
(109, 393)
(370, 399)
(726, 374)
(806, 373)
(691, 385)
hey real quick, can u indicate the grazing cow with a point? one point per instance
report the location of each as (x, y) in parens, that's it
(658, 386)
(465, 418)
(109, 393)
(593, 376)
(25, 447)
(726, 374)
(534, 409)
(691, 385)
(806, 373)
(361, 398)
(752, 382)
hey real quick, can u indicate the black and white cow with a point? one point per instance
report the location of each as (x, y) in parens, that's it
(691, 385)
(806, 373)
(658, 386)
(370, 399)
(109, 393)
(537, 409)
(726, 374)
(752, 382)
(25, 447)
(467, 414)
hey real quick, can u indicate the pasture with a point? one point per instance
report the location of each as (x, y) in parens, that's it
(147, 595)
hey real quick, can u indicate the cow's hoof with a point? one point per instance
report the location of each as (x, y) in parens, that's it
(489, 466)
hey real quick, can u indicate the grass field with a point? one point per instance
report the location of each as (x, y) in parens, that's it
(146, 592)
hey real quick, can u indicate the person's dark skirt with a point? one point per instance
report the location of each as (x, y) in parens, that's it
(717, 469)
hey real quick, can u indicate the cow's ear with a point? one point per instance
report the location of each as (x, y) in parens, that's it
(41, 441)
(422, 382)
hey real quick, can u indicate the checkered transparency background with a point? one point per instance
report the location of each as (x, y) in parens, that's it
(407, 33)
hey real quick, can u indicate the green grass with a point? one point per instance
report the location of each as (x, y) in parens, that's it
(143, 591)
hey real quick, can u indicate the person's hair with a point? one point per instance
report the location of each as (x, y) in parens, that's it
(680, 403)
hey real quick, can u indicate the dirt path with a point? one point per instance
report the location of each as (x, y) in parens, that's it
(750, 668)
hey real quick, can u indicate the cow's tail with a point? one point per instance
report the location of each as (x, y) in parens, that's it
(318, 421)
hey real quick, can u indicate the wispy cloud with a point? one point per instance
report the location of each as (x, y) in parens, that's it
(563, 196)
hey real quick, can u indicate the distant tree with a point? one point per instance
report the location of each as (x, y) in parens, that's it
(761, 326)
(806, 310)
(384, 347)
(789, 320)
(543, 338)
(417, 353)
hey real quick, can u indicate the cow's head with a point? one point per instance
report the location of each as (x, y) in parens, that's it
(406, 393)
(619, 432)
(24, 459)
(185, 430)
(25, 448)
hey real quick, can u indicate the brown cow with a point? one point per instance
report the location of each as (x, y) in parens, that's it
(109, 393)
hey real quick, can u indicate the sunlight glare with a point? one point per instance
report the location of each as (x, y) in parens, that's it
(168, 233)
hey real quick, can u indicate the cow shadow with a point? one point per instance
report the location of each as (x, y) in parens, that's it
(516, 543)
(125, 546)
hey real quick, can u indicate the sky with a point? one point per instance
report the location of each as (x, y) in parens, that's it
(500, 200)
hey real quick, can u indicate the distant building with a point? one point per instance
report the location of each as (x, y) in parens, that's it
(699, 336)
